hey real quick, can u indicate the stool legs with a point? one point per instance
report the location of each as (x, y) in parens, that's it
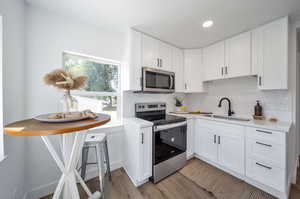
(100, 164)
(85, 153)
(107, 159)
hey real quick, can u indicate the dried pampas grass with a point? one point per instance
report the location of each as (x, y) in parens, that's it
(61, 79)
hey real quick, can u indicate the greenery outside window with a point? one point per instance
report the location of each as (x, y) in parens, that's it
(102, 92)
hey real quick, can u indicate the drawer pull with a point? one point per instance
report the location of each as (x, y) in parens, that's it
(267, 132)
(263, 165)
(269, 145)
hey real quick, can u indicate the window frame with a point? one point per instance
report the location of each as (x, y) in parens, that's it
(2, 156)
(84, 93)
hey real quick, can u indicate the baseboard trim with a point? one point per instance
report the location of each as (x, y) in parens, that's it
(47, 189)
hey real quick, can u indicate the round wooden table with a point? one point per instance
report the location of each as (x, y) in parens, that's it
(73, 136)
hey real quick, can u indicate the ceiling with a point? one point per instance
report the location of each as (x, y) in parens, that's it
(178, 22)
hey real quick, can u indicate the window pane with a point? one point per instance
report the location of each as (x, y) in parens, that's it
(103, 104)
(102, 77)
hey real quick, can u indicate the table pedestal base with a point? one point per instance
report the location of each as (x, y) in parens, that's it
(72, 146)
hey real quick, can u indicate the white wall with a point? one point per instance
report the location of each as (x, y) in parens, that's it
(47, 36)
(12, 169)
(243, 94)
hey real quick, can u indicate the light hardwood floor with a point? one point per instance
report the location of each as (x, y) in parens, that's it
(197, 180)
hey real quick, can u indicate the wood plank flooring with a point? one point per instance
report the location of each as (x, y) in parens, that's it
(198, 180)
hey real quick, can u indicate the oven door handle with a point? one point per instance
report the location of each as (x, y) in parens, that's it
(169, 126)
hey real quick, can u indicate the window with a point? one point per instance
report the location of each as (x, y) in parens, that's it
(1, 100)
(102, 92)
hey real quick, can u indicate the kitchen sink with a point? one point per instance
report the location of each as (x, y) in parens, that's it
(228, 118)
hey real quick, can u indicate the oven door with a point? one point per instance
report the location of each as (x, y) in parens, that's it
(158, 80)
(168, 141)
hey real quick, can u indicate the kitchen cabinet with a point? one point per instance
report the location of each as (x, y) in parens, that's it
(137, 151)
(222, 144)
(213, 61)
(131, 70)
(228, 59)
(193, 71)
(270, 55)
(156, 53)
(190, 138)
(238, 56)
(178, 69)
(150, 51)
(231, 148)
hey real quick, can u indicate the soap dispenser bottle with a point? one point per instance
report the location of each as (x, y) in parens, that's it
(258, 109)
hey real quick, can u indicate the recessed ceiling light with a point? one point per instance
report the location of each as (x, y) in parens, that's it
(207, 24)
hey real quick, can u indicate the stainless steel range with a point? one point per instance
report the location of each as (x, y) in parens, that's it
(169, 139)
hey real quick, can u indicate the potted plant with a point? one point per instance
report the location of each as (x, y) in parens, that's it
(178, 104)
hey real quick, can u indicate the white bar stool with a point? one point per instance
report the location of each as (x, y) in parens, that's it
(99, 143)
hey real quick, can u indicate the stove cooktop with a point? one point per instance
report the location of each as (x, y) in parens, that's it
(165, 119)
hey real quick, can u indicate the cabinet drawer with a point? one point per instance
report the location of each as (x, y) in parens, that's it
(266, 135)
(266, 151)
(266, 174)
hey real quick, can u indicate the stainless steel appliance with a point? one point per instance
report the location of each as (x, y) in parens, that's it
(169, 139)
(157, 81)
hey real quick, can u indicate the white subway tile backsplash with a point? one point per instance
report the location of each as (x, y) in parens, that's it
(243, 93)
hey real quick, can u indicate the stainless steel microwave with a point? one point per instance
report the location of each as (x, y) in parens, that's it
(157, 81)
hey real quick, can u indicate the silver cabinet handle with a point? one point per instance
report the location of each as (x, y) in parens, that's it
(157, 62)
(185, 86)
(142, 138)
(219, 139)
(215, 139)
(222, 71)
(259, 80)
(260, 143)
(263, 165)
(226, 72)
(267, 132)
(161, 63)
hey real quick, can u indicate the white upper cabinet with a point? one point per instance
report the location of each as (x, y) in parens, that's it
(165, 56)
(238, 56)
(178, 68)
(193, 71)
(270, 55)
(156, 53)
(213, 61)
(131, 70)
(150, 51)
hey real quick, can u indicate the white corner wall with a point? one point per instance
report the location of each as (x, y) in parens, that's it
(47, 36)
(12, 169)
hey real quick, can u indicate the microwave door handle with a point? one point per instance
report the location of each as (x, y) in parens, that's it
(171, 83)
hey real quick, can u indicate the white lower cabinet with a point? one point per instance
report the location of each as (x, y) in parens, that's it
(190, 138)
(220, 143)
(263, 158)
(137, 152)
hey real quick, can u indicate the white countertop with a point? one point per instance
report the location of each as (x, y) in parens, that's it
(141, 122)
(264, 124)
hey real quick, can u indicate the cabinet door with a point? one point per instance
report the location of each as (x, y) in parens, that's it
(145, 153)
(270, 55)
(238, 56)
(165, 55)
(132, 69)
(193, 71)
(190, 138)
(231, 149)
(149, 51)
(205, 142)
(214, 61)
(178, 68)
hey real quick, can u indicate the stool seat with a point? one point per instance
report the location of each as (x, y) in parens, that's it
(92, 138)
